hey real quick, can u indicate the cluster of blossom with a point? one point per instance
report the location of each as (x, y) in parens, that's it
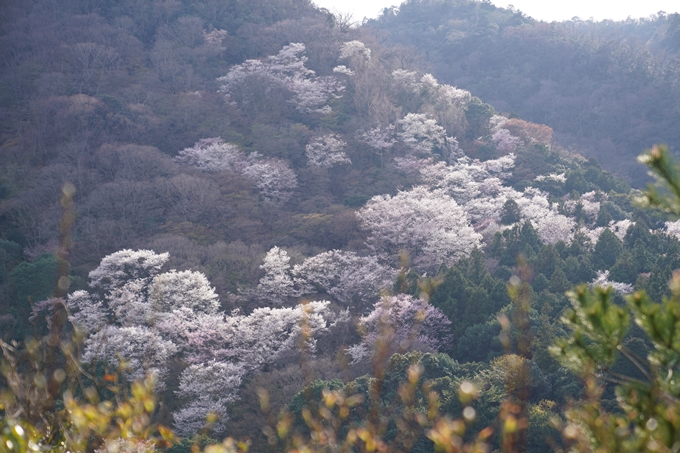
(351, 279)
(673, 229)
(406, 79)
(401, 322)
(342, 69)
(619, 228)
(476, 186)
(552, 177)
(421, 134)
(138, 318)
(602, 280)
(213, 154)
(326, 151)
(550, 225)
(277, 284)
(505, 142)
(215, 37)
(286, 70)
(355, 48)
(258, 338)
(380, 138)
(209, 388)
(590, 203)
(496, 123)
(440, 93)
(273, 178)
(429, 225)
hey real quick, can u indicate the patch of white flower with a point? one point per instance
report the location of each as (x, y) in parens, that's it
(421, 134)
(326, 151)
(673, 229)
(342, 69)
(602, 280)
(355, 48)
(552, 177)
(285, 70)
(497, 122)
(380, 138)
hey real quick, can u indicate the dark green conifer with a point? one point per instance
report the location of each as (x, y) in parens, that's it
(607, 250)
(559, 283)
(511, 213)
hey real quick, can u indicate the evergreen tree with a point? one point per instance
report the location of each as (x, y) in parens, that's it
(548, 260)
(474, 267)
(625, 269)
(511, 213)
(540, 283)
(607, 250)
(477, 309)
(576, 182)
(452, 294)
(642, 258)
(35, 281)
(603, 217)
(639, 231)
(559, 283)
(529, 238)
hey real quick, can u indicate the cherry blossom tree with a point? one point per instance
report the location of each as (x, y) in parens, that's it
(550, 225)
(589, 203)
(602, 280)
(429, 225)
(258, 338)
(125, 265)
(355, 49)
(400, 323)
(561, 177)
(379, 138)
(274, 178)
(326, 151)
(349, 278)
(421, 134)
(476, 186)
(137, 350)
(207, 389)
(505, 142)
(277, 284)
(673, 228)
(138, 318)
(287, 71)
(213, 154)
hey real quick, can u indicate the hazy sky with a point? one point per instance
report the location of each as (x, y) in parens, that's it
(539, 9)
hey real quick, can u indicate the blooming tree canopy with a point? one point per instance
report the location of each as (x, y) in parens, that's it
(285, 70)
(273, 178)
(213, 154)
(421, 134)
(429, 225)
(326, 151)
(401, 322)
(138, 318)
(351, 279)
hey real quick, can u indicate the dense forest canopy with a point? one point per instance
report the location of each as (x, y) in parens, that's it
(256, 198)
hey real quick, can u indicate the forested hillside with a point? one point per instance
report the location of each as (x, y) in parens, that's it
(608, 89)
(254, 198)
